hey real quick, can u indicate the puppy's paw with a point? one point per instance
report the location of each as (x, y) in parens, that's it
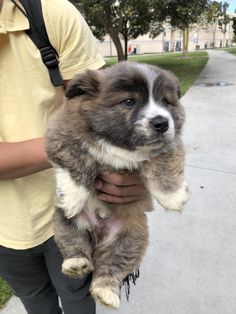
(77, 267)
(175, 200)
(106, 296)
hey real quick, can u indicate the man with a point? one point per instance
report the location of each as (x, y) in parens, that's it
(29, 259)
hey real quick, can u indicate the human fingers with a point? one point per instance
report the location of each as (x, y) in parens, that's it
(120, 179)
(120, 190)
(119, 199)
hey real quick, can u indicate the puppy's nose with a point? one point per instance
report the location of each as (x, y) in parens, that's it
(160, 124)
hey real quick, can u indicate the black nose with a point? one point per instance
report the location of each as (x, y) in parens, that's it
(160, 124)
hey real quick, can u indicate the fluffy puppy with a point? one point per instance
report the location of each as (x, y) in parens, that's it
(126, 117)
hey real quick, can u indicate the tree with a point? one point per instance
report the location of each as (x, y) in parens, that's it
(182, 14)
(216, 14)
(224, 19)
(234, 28)
(118, 18)
(211, 16)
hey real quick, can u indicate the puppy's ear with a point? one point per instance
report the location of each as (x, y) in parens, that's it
(85, 83)
(177, 85)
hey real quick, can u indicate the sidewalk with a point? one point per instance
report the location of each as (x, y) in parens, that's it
(190, 267)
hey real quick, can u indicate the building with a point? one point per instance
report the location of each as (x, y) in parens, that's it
(200, 37)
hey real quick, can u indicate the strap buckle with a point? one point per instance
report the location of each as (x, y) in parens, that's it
(49, 57)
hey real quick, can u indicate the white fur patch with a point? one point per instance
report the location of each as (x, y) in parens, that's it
(117, 157)
(153, 109)
(171, 201)
(71, 197)
(150, 111)
(149, 73)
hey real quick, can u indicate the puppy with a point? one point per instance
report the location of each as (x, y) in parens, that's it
(125, 117)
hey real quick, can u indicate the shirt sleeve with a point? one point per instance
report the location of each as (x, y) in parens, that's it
(72, 38)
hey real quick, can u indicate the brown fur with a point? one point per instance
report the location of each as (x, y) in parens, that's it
(114, 238)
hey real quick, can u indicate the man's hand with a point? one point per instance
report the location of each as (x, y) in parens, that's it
(114, 187)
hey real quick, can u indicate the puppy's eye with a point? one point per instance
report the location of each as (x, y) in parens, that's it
(165, 101)
(129, 102)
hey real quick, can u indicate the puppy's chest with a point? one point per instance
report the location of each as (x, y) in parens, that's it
(118, 159)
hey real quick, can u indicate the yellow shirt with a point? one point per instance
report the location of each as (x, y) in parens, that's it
(27, 101)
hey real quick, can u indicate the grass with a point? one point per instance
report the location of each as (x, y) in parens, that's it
(5, 293)
(231, 50)
(186, 69)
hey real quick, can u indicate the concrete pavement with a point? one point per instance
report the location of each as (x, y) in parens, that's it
(190, 266)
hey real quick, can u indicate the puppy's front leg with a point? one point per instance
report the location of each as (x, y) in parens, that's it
(71, 196)
(165, 179)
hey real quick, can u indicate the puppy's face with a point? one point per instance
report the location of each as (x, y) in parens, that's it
(129, 105)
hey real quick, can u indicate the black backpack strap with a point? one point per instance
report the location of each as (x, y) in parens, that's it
(38, 34)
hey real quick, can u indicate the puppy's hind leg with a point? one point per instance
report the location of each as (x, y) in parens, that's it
(114, 259)
(75, 244)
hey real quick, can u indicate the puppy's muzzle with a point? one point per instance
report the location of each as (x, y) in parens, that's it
(160, 124)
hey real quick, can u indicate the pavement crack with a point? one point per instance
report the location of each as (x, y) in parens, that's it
(211, 169)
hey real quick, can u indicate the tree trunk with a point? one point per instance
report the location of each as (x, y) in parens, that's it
(126, 41)
(185, 41)
(116, 40)
(126, 48)
(224, 35)
(214, 35)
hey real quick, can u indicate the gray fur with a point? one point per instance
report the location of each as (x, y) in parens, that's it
(114, 240)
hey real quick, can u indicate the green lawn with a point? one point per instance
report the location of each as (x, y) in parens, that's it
(231, 50)
(5, 293)
(186, 69)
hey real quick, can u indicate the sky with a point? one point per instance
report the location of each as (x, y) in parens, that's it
(232, 5)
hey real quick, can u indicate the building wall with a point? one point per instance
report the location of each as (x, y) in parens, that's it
(172, 40)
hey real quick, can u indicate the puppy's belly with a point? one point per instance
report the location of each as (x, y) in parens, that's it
(107, 226)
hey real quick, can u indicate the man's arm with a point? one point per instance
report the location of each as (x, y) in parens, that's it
(20, 159)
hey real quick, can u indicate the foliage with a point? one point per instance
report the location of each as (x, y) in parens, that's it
(181, 14)
(213, 12)
(123, 19)
(234, 28)
(127, 19)
(224, 18)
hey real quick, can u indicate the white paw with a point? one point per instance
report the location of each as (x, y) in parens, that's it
(175, 200)
(77, 266)
(106, 297)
